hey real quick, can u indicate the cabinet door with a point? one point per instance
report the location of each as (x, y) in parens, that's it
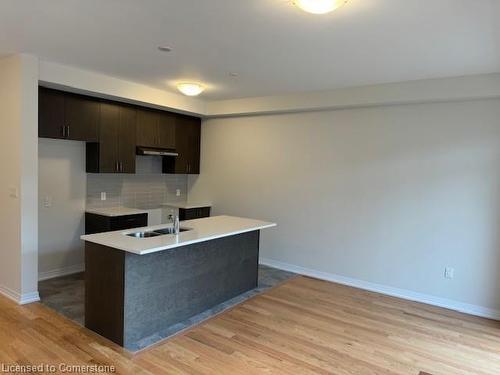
(81, 117)
(193, 140)
(126, 139)
(109, 121)
(179, 164)
(188, 137)
(147, 128)
(50, 113)
(187, 144)
(166, 130)
(129, 221)
(194, 213)
(95, 223)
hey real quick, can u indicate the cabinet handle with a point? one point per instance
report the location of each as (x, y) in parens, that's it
(67, 131)
(116, 166)
(121, 166)
(63, 131)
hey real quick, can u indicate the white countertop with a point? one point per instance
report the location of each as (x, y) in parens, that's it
(205, 229)
(115, 211)
(187, 205)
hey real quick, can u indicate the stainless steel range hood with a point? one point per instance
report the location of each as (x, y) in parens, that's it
(150, 151)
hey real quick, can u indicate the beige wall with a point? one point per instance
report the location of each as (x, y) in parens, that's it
(18, 167)
(63, 185)
(387, 195)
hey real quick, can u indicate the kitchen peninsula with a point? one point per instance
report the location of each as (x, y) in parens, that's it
(139, 282)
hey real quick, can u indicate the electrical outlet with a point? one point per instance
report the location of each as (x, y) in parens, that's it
(449, 273)
(103, 196)
(178, 192)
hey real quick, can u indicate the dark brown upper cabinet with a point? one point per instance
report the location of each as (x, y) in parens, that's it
(187, 141)
(155, 129)
(115, 151)
(113, 131)
(50, 113)
(67, 116)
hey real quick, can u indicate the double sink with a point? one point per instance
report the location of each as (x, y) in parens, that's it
(156, 232)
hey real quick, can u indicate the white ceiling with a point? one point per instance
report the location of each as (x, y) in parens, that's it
(274, 47)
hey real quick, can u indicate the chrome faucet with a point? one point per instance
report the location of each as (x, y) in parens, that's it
(175, 221)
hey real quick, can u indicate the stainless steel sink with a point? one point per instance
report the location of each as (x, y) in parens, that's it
(156, 232)
(144, 234)
(170, 230)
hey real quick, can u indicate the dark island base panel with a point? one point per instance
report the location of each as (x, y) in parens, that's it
(66, 295)
(130, 298)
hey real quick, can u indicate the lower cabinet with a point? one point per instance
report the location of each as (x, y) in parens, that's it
(193, 213)
(95, 223)
(115, 151)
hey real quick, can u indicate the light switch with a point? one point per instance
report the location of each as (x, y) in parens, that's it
(14, 192)
(103, 196)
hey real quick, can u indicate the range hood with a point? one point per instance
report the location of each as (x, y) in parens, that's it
(151, 151)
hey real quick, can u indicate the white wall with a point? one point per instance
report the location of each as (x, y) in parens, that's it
(68, 190)
(387, 195)
(18, 166)
(10, 218)
(63, 185)
(481, 86)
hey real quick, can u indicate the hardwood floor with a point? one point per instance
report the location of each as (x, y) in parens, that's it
(304, 326)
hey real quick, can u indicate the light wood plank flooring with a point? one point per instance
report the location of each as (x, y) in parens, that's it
(304, 326)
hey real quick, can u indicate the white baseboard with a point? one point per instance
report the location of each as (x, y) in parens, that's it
(29, 298)
(21, 299)
(466, 308)
(61, 272)
(26, 298)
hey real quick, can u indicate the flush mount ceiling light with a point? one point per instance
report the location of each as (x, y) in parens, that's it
(319, 6)
(165, 48)
(190, 88)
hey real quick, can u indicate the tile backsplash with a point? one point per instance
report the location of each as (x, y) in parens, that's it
(146, 189)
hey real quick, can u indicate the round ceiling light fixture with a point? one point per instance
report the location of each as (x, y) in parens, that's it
(190, 88)
(165, 48)
(319, 6)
